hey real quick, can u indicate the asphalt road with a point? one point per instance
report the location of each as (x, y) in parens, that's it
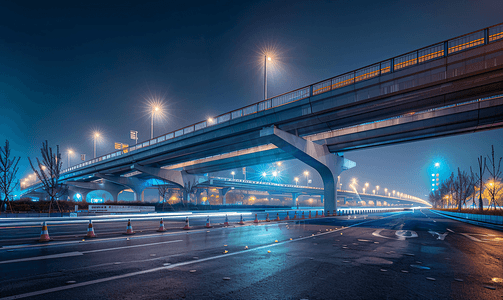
(406, 255)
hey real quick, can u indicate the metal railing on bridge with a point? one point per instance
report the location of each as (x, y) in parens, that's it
(436, 51)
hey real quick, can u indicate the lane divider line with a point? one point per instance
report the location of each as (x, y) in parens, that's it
(91, 282)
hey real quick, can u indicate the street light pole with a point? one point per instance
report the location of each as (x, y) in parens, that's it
(154, 110)
(96, 136)
(266, 58)
(69, 153)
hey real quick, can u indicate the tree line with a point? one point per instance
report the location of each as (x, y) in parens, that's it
(464, 187)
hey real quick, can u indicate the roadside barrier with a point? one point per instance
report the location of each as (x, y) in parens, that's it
(44, 235)
(90, 230)
(186, 227)
(303, 217)
(129, 229)
(287, 216)
(226, 223)
(316, 216)
(309, 214)
(208, 225)
(161, 226)
(277, 217)
(295, 216)
(241, 222)
(327, 214)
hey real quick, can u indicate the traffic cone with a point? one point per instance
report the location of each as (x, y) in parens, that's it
(295, 216)
(316, 216)
(303, 217)
(309, 214)
(208, 225)
(287, 217)
(327, 214)
(90, 230)
(186, 227)
(161, 226)
(241, 222)
(226, 223)
(44, 235)
(277, 217)
(256, 219)
(129, 229)
(267, 218)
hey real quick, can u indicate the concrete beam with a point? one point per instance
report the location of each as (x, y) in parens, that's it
(328, 165)
(137, 185)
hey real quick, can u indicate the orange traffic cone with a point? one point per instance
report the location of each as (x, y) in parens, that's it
(226, 223)
(277, 217)
(241, 222)
(267, 218)
(327, 214)
(303, 217)
(287, 217)
(186, 227)
(316, 216)
(294, 216)
(208, 225)
(309, 214)
(256, 219)
(129, 229)
(44, 235)
(90, 230)
(161, 226)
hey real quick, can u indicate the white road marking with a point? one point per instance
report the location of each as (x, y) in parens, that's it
(440, 236)
(405, 234)
(472, 238)
(127, 247)
(77, 253)
(451, 231)
(377, 233)
(86, 283)
(67, 254)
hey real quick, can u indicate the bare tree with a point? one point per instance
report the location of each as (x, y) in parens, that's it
(8, 171)
(435, 198)
(164, 190)
(480, 180)
(494, 169)
(463, 187)
(447, 190)
(48, 171)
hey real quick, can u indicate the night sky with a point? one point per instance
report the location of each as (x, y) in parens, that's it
(69, 69)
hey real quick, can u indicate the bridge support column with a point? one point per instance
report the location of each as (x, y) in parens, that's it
(328, 165)
(137, 185)
(180, 178)
(322, 198)
(295, 196)
(224, 193)
(87, 187)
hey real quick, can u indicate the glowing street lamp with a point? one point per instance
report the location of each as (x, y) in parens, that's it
(264, 174)
(374, 191)
(377, 188)
(353, 181)
(364, 190)
(366, 184)
(96, 135)
(385, 191)
(274, 173)
(393, 193)
(296, 180)
(233, 173)
(306, 174)
(70, 152)
(266, 58)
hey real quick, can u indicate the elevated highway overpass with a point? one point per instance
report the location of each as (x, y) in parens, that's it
(451, 84)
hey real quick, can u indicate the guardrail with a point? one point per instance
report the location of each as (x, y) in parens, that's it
(439, 50)
(492, 219)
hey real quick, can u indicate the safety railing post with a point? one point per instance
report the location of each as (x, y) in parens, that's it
(486, 36)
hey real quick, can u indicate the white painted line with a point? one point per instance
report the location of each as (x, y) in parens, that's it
(76, 253)
(127, 247)
(451, 231)
(472, 238)
(86, 283)
(67, 254)
(378, 234)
